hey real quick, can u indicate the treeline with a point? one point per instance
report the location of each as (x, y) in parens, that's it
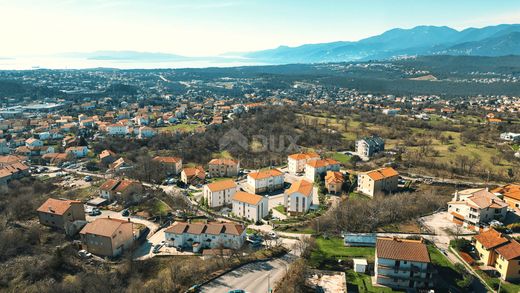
(260, 138)
(371, 215)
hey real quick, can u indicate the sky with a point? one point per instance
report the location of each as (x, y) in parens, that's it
(212, 27)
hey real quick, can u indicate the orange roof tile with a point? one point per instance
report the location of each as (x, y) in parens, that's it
(250, 198)
(222, 185)
(303, 186)
(402, 249)
(104, 226)
(56, 206)
(510, 251)
(491, 238)
(265, 174)
(382, 173)
(334, 177)
(510, 191)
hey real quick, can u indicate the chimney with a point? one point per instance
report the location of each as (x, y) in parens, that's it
(128, 219)
(108, 216)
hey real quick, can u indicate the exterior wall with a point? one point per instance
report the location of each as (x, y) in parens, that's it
(405, 275)
(509, 270)
(98, 245)
(333, 187)
(251, 212)
(117, 130)
(217, 241)
(297, 166)
(297, 202)
(312, 173)
(222, 170)
(110, 246)
(74, 213)
(370, 187)
(366, 185)
(486, 256)
(265, 184)
(219, 198)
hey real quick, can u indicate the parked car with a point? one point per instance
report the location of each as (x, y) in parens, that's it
(156, 248)
(125, 213)
(94, 212)
(87, 178)
(84, 254)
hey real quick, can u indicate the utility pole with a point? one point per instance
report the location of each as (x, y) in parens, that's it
(268, 282)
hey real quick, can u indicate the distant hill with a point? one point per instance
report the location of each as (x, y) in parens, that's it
(500, 40)
(126, 55)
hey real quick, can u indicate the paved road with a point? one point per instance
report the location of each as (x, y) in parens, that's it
(253, 278)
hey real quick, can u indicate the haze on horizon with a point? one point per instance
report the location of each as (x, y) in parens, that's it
(208, 28)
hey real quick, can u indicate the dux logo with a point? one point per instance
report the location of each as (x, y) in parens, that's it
(233, 137)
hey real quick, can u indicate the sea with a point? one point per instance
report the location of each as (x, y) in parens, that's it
(32, 63)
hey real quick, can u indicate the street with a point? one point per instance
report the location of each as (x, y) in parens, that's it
(256, 277)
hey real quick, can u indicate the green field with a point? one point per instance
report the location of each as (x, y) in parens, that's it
(185, 126)
(333, 248)
(364, 283)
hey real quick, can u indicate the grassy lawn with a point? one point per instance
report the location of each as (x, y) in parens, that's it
(185, 126)
(342, 158)
(358, 196)
(494, 283)
(281, 209)
(333, 249)
(363, 283)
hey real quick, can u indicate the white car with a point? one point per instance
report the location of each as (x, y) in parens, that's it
(85, 254)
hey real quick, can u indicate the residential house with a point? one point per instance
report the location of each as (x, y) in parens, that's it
(334, 182)
(117, 129)
(120, 165)
(265, 180)
(220, 193)
(369, 146)
(510, 193)
(403, 264)
(77, 151)
(60, 213)
(173, 165)
(107, 237)
(193, 175)
(199, 236)
(223, 168)
(107, 157)
(474, 208)
(146, 132)
(296, 162)
(56, 159)
(120, 188)
(499, 251)
(378, 181)
(298, 198)
(13, 171)
(249, 206)
(314, 169)
(33, 142)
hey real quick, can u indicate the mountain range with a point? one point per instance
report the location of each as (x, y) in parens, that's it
(500, 40)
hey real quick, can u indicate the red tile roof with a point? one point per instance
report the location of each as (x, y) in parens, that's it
(491, 238)
(56, 206)
(265, 174)
(510, 251)
(222, 185)
(250, 198)
(402, 249)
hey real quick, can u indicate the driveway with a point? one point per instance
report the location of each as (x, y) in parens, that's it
(256, 277)
(117, 215)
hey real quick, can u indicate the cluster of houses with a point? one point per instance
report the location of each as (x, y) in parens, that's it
(103, 236)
